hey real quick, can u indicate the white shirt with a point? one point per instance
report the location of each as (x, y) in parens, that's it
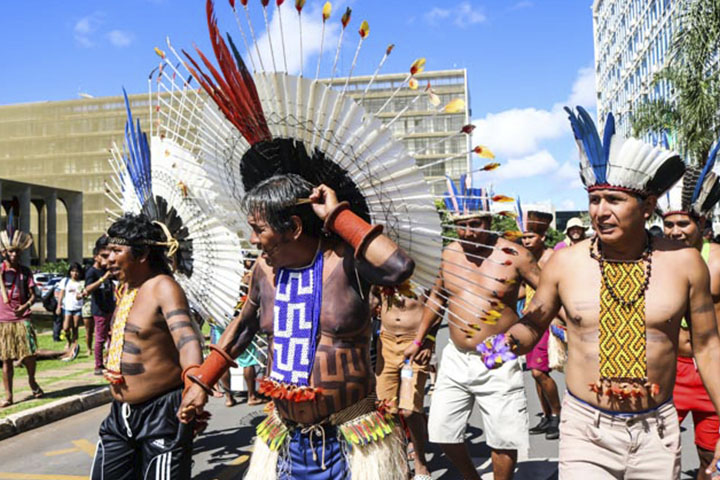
(72, 288)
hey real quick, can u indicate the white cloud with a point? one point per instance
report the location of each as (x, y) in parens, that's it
(521, 131)
(521, 5)
(85, 29)
(583, 90)
(539, 163)
(120, 38)
(311, 37)
(567, 204)
(462, 15)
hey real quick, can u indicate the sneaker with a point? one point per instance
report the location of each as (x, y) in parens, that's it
(540, 427)
(75, 352)
(552, 431)
(98, 371)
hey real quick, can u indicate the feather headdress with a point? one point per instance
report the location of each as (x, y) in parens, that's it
(15, 240)
(253, 126)
(466, 202)
(155, 178)
(697, 193)
(533, 221)
(619, 163)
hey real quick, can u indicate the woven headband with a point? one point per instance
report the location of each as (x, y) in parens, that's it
(171, 243)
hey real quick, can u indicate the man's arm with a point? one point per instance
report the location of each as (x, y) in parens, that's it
(704, 332)
(528, 268)
(241, 330)
(174, 307)
(94, 285)
(542, 310)
(431, 319)
(380, 260)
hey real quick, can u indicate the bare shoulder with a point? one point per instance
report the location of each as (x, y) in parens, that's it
(569, 254)
(164, 285)
(714, 258)
(675, 251)
(452, 250)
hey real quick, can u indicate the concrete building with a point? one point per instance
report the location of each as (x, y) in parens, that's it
(20, 198)
(65, 144)
(421, 127)
(632, 39)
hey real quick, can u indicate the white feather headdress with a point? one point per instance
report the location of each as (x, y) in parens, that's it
(622, 163)
(696, 194)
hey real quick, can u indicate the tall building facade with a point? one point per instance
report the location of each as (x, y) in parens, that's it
(632, 40)
(65, 144)
(421, 127)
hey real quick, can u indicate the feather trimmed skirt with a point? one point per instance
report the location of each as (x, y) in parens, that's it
(14, 341)
(369, 446)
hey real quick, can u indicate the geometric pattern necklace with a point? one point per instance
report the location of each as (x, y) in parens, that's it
(622, 335)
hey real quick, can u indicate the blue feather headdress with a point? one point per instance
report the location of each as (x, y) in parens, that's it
(622, 164)
(466, 201)
(698, 192)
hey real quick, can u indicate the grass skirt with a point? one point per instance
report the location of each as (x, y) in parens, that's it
(383, 458)
(14, 341)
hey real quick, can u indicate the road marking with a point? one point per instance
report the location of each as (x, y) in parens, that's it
(85, 446)
(61, 452)
(37, 476)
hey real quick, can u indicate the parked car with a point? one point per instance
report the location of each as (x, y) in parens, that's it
(44, 282)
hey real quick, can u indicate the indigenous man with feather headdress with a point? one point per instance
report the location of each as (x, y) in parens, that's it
(618, 418)
(17, 339)
(685, 211)
(479, 265)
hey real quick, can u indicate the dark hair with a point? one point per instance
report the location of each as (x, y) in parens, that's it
(275, 201)
(100, 244)
(136, 231)
(79, 268)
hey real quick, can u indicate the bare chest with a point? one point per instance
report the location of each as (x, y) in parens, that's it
(345, 310)
(665, 299)
(492, 277)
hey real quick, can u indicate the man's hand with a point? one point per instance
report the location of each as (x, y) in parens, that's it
(193, 403)
(324, 200)
(716, 458)
(411, 351)
(424, 354)
(58, 310)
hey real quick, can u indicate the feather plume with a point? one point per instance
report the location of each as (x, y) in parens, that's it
(234, 90)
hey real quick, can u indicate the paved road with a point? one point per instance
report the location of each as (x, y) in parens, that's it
(64, 450)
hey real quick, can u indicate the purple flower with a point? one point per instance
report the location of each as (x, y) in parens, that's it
(495, 351)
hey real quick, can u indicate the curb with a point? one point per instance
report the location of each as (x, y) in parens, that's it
(38, 416)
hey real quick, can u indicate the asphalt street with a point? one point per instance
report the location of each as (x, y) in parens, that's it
(64, 450)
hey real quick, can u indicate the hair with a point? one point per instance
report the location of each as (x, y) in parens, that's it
(79, 268)
(275, 200)
(100, 244)
(137, 230)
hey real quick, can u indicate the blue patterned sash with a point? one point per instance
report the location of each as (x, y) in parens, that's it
(296, 319)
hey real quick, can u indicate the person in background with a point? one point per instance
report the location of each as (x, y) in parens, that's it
(99, 289)
(575, 232)
(70, 304)
(17, 294)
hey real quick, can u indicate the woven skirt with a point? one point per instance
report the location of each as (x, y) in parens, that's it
(14, 344)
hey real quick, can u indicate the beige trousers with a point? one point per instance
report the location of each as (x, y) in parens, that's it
(595, 445)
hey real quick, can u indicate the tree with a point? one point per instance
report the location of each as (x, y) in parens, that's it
(692, 74)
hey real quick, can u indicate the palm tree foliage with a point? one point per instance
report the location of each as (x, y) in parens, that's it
(693, 74)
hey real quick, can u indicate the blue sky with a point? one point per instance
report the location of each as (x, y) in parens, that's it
(525, 59)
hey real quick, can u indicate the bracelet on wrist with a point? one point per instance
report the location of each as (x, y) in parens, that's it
(430, 337)
(419, 344)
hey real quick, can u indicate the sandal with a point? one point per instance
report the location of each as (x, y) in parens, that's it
(37, 392)
(422, 477)
(6, 403)
(256, 401)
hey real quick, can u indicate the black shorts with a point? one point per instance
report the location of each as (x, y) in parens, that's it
(144, 441)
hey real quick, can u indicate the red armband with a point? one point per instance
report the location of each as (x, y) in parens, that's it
(192, 370)
(351, 228)
(214, 367)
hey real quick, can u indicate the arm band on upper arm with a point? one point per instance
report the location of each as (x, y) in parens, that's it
(351, 228)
